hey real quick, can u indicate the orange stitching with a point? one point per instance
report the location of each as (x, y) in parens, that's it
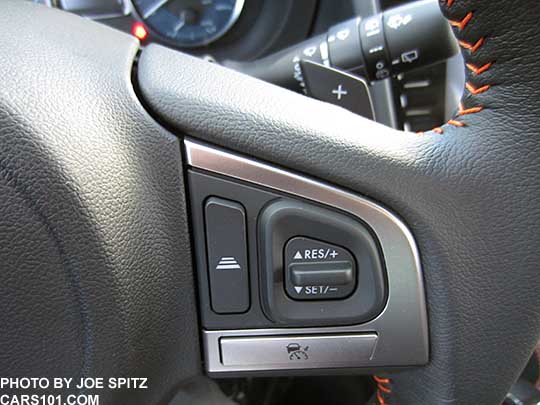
(463, 23)
(456, 123)
(381, 399)
(479, 70)
(463, 111)
(383, 388)
(476, 90)
(471, 47)
(472, 110)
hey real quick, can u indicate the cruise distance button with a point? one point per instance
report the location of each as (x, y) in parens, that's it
(227, 255)
(317, 270)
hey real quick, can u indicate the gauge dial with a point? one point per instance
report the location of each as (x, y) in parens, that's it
(189, 23)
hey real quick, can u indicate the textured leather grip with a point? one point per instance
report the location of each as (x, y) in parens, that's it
(95, 262)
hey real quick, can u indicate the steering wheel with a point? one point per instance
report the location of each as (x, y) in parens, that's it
(96, 266)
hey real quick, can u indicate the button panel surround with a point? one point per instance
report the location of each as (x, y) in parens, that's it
(401, 327)
(284, 219)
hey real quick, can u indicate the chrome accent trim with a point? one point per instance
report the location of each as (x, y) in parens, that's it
(297, 352)
(402, 325)
(238, 6)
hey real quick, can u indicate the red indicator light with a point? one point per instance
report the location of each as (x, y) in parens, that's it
(139, 31)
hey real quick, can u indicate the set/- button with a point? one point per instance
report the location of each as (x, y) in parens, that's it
(317, 270)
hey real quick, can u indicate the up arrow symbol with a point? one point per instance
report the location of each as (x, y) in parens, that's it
(298, 255)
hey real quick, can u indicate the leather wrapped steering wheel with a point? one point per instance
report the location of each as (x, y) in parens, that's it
(96, 270)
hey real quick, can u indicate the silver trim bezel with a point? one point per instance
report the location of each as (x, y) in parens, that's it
(401, 327)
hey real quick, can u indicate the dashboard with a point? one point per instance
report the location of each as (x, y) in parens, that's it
(189, 23)
(223, 29)
(235, 32)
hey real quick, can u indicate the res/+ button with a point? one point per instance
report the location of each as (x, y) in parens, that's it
(317, 270)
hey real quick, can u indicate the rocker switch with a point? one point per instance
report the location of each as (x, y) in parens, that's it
(317, 270)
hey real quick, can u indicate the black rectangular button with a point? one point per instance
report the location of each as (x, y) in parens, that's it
(227, 255)
(321, 273)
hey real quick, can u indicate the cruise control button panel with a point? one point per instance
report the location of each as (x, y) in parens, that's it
(317, 270)
(298, 277)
